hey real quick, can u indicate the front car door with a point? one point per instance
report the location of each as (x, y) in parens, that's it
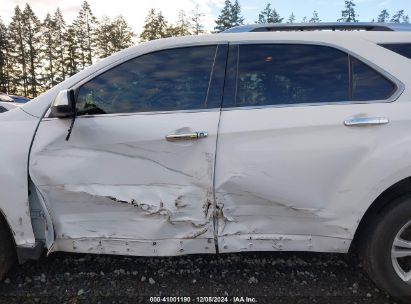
(136, 175)
(289, 174)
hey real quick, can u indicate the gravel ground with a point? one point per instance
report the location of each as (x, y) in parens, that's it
(269, 277)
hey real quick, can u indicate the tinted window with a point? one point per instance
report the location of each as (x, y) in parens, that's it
(280, 74)
(367, 84)
(175, 79)
(403, 49)
(290, 74)
(2, 109)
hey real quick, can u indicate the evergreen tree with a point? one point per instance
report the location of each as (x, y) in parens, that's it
(400, 17)
(155, 26)
(304, 20)
(348, 13)
(291, 19)
(182, 26)
(4, 77)
(384, 16)
(85, 31)
(103, 38)
(235, 16)
(196, 21)
(122, 35)
(224, 19)
(48, 51)
(269, 15)
(71, 52)
(32, 40)
(60, 28)
(315, 18)
(18, 79)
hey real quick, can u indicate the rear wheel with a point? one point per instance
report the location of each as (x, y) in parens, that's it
(386, 248)
(7, 249)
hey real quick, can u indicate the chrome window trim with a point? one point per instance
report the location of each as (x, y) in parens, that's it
(400, 87)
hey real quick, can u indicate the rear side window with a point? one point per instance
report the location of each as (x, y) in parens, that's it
(367, 84)
(282, 74)
(173, 79)
(403, 49)
(2, 109)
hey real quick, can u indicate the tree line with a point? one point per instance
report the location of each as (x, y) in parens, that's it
(36, 55)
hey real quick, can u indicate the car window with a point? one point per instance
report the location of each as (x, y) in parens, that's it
(282, 74)
(290, 74)
(403, 49)
(2, 109)
(173, 79)
(368, 84)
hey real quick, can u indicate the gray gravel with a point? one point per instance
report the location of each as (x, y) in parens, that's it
(270, 277)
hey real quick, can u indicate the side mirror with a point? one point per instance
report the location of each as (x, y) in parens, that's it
(64, 104)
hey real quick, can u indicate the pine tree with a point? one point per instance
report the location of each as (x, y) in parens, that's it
(48, 51)
(196, 21)
(315, 18)
(32, 41)
(224, 19)
(155, 26)
(18, 79)
(304, 20)
(400, 17)
(71, 52)
(348, 13)
(103, 38)
(182, 26)
(122, 35)
(85, 31)
(236, 18)
(60, 28)
(384, 16)
(269, 15)
(291, 19)
(4, 77)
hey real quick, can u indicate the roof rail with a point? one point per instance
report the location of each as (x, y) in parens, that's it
(333, 26)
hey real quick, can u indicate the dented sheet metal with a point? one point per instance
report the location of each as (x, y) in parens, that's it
(117, 181)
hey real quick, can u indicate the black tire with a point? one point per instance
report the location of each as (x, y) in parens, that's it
(376, 245)
(7, 249)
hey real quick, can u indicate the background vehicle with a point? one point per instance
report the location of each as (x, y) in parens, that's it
(19, 99)
(249, 141)
(5, 98)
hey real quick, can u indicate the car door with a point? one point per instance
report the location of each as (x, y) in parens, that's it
(136, 175)
(299, 124)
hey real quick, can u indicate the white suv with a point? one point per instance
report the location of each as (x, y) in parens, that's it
(265, 139)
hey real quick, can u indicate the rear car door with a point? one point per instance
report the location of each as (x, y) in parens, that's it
(297, 124)
(136, 175)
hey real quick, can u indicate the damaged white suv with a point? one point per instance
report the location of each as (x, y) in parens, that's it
(263, 139)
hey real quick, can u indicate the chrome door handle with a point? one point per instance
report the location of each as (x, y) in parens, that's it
(366, 121)
(187, 136)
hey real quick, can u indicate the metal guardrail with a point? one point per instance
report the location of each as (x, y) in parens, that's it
(331, 26)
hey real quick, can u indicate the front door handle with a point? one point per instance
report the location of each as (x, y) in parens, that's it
(187, 136)
(366, 121)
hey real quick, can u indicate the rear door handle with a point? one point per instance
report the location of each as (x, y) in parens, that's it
(366, 121)
(187, 136)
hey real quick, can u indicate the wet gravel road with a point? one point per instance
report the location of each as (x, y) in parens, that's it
(269, 277)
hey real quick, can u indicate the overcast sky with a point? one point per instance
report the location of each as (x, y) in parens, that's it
(135, 11)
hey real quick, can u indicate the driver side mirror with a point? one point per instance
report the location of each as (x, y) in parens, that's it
(64, 105)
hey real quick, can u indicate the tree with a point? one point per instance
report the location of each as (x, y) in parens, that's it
(315, 18)
(85, 31)
(291, 19)
(4, 46)
(48, 51)
(103, 38)
(71, 52)
(236, 18)
(269, 15)
(182, 26)
(224, 19)
(348, 13)
(155, 26)
(122, 34)
(304, 20)
(60, 28)
(196, 21)
(32, 42)
(400, 17)
(384, 16)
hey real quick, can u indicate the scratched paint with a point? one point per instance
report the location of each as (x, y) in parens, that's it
(118, 178)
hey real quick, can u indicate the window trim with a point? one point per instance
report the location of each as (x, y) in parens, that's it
(398, 90)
